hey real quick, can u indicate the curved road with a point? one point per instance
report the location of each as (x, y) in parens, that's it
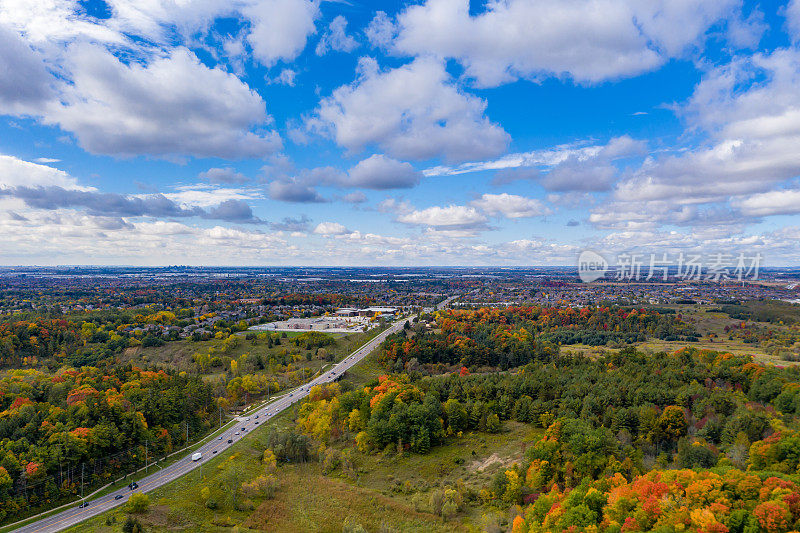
(75, 515)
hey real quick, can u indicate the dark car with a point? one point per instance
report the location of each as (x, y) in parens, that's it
(118, 497)
(256, 416)
(133, 486)
(84, 504)
(244, 429)
(256, 422)
(215, 451)
(230, 441)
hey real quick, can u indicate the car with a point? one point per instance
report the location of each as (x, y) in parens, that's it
(133, 485)
(244, 429)
(247, 419)
(256, 422)
(230, 441)
(220, 437)
(215, 451)
(256, 416)
(236, 433)
(118, 497)
(82, 505)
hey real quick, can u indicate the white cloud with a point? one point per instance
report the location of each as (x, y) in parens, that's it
(786, 202)
(170, 107)
(450, 217)
(336, 38)
(380, 30)
(381, 172)
(793, 19)
(25, 83)
(207, 196)
(587, 40)
(280, 28)
(534, 158)
(330, 228)
(286, 77)
(15, 172)
(510, 206)
(411, 112)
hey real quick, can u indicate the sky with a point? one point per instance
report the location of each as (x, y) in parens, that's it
(436, 132)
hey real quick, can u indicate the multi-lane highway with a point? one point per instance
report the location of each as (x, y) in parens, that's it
(243, 427)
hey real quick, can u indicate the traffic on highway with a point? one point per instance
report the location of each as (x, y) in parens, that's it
(243, 426)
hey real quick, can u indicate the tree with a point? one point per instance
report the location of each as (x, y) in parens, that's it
(138, 503)
(493, 423)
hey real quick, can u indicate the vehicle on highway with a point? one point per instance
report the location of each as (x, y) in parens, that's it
(230, 441)
(244, 429)
(118, 497)
(133, 485)
(256, 422)
(247, 419)
(82, 505)
(215, 451)
(256, 416)
(220, 437)
(236, 433)
(197, 456)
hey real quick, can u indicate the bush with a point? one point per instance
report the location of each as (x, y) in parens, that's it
(132, 525)
(138, 503)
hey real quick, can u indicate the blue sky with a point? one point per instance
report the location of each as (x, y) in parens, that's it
(438, 132)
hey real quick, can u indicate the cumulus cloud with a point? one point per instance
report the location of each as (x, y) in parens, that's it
(279, 29)
(784, 202)
(381, 172)
(511, 206)
(588, 41)
(380, 30)
(450, 217)
(15, 172)
(172, 106)
(411, 112)
(25, 83)
(293, 191)
(336, 38)
(330, 228)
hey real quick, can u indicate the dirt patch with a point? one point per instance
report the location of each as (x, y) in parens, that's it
(494, 459)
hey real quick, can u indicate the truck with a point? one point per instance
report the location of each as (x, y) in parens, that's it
(197, 456)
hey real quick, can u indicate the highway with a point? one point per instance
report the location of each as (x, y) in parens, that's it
(248, 423)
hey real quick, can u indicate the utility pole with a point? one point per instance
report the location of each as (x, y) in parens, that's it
(82, 465)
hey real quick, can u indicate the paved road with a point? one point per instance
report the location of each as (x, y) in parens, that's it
(75, 515)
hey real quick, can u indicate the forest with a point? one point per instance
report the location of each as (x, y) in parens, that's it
(90, 424)
(692, 440)
(514, 336)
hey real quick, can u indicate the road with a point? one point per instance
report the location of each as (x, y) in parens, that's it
(99, 505)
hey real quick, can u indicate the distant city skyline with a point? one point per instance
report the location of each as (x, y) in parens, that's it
(443, 132)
